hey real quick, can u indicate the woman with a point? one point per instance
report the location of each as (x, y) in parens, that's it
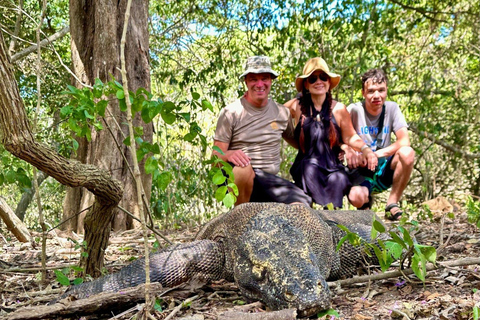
(323, 125)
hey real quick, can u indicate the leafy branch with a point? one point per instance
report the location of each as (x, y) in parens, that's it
(390, 246)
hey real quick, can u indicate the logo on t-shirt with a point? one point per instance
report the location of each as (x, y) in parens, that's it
(373, 133)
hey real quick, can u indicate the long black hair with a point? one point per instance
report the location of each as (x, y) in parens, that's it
(306, 104)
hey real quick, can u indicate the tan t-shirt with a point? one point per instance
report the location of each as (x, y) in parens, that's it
(256, 131)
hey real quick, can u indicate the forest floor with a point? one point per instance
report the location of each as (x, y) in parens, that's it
(448, 293)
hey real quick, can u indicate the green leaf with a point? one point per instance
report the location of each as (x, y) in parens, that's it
(75, 144)
(137, 103)
(373, 233)
(195, 96)
(416, 261)
(215, 148)
(339, 245)
(145, 92)
(138, 131)
(220, 193)
(10, 176)
(155, 148)
(169, 118)
(163, 180)
(123, 105)
(98, 126)
(219, 178)
(78, 281)
(186, 116)
(77, 268)
(158, 305)
(233, 188)
(397, 239)
(151, 164)
(61, 278)
(382, 258)
(24, 180)
(229, 200)
(378, 226)
(97, 92)
(66, 111)
(406, 237)
(329, 312)
(73, 90)
(101, 106)
(428, 252)
(476, 313)
(120, 94)
(342, 227)
(207, 105)
(168, 107)
(394, 248)
(126, 141)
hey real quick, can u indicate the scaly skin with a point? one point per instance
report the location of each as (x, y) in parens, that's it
(277, 253)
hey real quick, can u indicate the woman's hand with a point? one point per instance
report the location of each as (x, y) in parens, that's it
(353, 158)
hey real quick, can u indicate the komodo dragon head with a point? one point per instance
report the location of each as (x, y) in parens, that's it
(275, 264)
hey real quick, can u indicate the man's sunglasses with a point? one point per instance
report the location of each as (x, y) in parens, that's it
(322, 76)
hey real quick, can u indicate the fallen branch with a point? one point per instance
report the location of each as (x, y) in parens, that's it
(13, 223)
(286, 314)
(105, 301)
(394, 274)
(180, 306)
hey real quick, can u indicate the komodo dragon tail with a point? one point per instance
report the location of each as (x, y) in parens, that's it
(202, 259)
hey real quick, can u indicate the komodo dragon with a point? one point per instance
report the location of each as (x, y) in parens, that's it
(277, 253)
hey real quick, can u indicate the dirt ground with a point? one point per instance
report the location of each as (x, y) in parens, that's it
(448, 293)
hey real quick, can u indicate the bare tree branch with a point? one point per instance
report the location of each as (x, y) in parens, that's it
(16, 32)
(22, 54)
(444, 144)
(423, 11)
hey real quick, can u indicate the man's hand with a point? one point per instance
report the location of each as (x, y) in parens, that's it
(238, 158)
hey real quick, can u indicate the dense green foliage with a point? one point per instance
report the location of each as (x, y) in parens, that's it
(430, 51)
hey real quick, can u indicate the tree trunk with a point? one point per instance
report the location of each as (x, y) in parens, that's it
(95, 27)
(16, 136)
(27, 197)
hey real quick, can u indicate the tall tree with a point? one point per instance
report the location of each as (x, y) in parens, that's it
(16, 136)
(96, 29)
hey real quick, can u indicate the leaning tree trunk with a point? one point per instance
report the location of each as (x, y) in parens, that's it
(96, 29)
(17, 138)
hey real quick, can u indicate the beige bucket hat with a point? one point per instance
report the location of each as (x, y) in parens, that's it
(258, 64)
(313, 65)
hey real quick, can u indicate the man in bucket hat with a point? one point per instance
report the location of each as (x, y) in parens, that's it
(249, 132)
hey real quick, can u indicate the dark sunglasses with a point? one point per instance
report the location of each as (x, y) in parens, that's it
(322, 76)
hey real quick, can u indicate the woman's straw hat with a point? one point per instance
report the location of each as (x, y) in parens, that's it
(313, 65)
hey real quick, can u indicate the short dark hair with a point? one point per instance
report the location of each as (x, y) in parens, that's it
(377, 75)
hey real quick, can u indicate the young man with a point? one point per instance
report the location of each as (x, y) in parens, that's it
(249, 132)
(375, 119)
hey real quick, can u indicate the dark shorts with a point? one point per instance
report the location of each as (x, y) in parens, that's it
(268, 187)
(377, 181)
